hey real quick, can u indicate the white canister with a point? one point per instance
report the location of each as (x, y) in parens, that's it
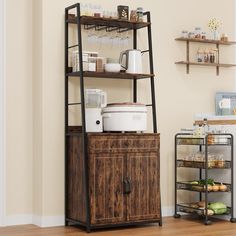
(225, 106)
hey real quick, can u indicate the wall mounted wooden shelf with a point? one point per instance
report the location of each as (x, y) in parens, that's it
(205, 41)
(204, 64)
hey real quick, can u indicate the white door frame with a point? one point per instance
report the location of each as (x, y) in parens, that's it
(2, 114)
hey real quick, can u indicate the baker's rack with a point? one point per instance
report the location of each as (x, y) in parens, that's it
(110, 25)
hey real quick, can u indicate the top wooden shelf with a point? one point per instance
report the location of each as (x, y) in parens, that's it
(206, 41)
(108, 22)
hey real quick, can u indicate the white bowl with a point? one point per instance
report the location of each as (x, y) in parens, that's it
(112, 67)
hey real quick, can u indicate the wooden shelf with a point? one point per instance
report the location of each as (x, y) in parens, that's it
(108, 22)
(206, 41)
(209, 41)
(204, 64)
(110, 75)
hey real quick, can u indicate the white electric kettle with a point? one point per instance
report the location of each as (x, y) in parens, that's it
(131, 61)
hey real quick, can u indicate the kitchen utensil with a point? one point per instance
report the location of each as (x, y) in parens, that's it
(221, 95)
(131, 61)
(125, 117)
(112, 67)
(225, 106)
(94, 122)
(95, 98)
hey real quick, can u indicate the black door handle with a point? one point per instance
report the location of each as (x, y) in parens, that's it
(127, 186)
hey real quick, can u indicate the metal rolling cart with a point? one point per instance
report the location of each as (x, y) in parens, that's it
(109, 25)
(205, 166)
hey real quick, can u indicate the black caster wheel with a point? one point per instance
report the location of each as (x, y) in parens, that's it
(208, 222)
(177, 216)
(233, 220)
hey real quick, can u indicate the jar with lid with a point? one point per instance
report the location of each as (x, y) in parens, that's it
(133, 15)
(200, 55)
(197, 33)
(212, 56)
(139, 12)
(206, 56)
(191, 35)
(184, 34)
(204, 35)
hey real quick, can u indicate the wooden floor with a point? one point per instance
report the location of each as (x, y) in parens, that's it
(171, 227)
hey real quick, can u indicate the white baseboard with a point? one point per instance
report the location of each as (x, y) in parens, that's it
(167, 211)
(41, 221)
(11, 220)
(48, 221)
(52, 221)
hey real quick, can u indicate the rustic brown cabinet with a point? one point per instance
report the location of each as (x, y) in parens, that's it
(124, 179)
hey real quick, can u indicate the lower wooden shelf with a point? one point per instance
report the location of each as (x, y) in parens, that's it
(217, 65)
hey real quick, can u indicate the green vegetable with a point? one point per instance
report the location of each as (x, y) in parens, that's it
(208, 182)
(218, 208)
(194, 182)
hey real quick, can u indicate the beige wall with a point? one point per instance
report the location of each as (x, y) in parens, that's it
(179, 96)
(19, 114)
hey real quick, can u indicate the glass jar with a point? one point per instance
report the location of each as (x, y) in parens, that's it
(184, 34)
(204, 35)
(133, 15)
(140, 14)
(197, 33)
(191, 35)
(200, 55)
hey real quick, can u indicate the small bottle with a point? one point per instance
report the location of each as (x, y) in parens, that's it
(184, 34)
(140, 14)
(198, 33)
(199, 55)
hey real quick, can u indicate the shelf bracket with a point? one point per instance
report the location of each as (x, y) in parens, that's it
(187, 56)
(218, 59)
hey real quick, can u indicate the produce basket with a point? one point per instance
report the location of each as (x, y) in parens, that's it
(192, 208)
(190, 141)
(201, 164)
(202, 188)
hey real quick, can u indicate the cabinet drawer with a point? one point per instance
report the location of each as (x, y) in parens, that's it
(123, 143)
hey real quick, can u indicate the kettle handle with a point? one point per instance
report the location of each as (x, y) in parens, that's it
(122, 54)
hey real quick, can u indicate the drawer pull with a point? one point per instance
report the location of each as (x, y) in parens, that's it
(127, 186)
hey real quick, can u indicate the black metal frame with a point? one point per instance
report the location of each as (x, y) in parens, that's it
(82, 104)
(206, 169)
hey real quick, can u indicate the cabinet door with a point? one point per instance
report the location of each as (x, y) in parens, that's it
(106, 188)
(143, 203)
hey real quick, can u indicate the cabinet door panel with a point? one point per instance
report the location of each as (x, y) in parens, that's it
(106, 188)
(143, 203)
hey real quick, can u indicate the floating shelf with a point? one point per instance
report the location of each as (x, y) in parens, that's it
(206, 41)
(204, 64)
(108, 22)
(110, 75)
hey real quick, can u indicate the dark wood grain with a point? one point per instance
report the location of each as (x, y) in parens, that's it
(75, 180)
(107, 205)
(109, 22)
(110, 75)
(144, 200)
(114, 158)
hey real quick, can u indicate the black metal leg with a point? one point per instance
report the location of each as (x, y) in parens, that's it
(152, 77)
(85, 154)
